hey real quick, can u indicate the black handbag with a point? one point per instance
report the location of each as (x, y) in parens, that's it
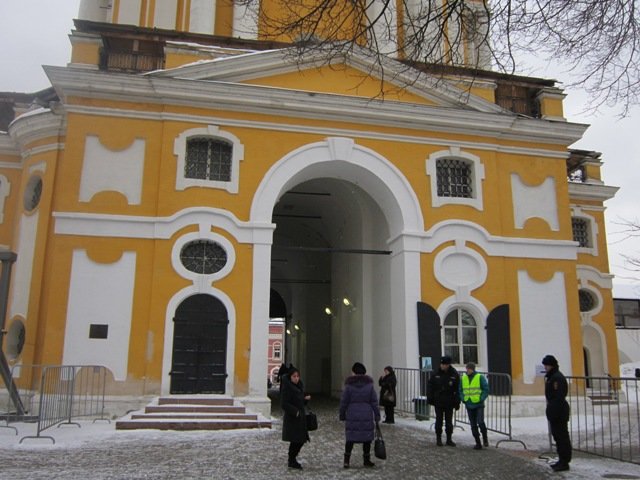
(388, 397)
(312, 421)
(379, 449)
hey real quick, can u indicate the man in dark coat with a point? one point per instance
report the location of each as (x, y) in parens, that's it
(359, 410)
(294, 421)
(442, 393)
(555, 391)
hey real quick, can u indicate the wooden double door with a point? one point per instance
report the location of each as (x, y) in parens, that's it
(199, 358)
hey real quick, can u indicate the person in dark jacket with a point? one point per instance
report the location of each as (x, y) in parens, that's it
(442, 393)
(359, 410)
(388, 384)
(555, 391)
(294, 421)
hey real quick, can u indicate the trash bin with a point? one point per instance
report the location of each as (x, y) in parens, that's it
(422, 408)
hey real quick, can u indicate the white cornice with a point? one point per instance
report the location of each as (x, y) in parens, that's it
(275, 101)
(127, 226)
(7, 145)
(587, 191)
(297, 128)
(36, 126)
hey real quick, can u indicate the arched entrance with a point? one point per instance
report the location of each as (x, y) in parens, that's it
(198, 362)
(346, 246)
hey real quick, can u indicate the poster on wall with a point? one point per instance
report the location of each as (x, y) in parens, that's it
(425, 363)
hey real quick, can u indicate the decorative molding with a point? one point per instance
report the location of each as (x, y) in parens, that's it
(131, 226)
(286, 127)
(460, 268)
(37, 125)
(310, 105)
(589, 191)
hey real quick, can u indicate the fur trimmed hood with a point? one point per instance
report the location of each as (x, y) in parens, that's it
(356, 380)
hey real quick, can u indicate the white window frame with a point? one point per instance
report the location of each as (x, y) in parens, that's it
(214, 133)
(592, 226)
(477, 176)
(273, 350)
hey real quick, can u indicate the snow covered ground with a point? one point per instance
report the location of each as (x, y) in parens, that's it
(81, 453)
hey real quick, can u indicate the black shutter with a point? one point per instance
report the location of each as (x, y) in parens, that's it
(499, 340)
(429, 341)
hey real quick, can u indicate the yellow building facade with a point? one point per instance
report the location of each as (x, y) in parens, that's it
(185, 182)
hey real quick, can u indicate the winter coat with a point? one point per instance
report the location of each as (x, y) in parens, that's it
(388, 384)
(442, 388)
(484, 387)
(294, 421)
(555, 391)
(359, 408)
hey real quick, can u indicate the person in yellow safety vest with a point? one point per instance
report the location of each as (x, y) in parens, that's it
(474, 390)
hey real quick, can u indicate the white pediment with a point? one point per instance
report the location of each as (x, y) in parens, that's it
(261, 64)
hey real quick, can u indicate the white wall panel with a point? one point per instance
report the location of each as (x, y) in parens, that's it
(129, 12)
(202, 16)
(537, 201)
(21, 282)
(106, 170)
(100, 294)
(544, 323)
(165, 14)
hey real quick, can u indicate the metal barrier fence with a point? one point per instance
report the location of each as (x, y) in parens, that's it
(605, 416)
(411, 393)
(58, 393)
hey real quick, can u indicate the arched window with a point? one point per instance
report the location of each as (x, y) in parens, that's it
(456, 178)
(208, 158)
(461, 337)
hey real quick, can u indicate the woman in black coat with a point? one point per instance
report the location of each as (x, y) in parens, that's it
(294, 421)
(388, 384)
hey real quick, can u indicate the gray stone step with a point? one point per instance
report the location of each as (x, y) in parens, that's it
(192, 413)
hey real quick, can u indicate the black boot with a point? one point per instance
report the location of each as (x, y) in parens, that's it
(347, 457)
(485, 437)
(450, 443)
(439, 439)
(476, 436)
(293, 463)
(367, 461)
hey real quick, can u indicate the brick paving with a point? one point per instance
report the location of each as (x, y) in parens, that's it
(260, 454)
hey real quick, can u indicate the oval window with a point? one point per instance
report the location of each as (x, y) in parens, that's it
(203, 256)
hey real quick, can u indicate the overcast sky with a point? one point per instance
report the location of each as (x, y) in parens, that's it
(35, 33)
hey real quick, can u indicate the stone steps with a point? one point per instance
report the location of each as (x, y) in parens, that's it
(193, 413)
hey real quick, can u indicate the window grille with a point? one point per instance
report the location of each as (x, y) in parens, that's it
(208, 159)
(454, 178)
(461, 337)
(587, 300)
(203, 256)
(581, 232)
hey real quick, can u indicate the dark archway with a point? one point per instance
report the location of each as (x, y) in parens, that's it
(199, 346)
